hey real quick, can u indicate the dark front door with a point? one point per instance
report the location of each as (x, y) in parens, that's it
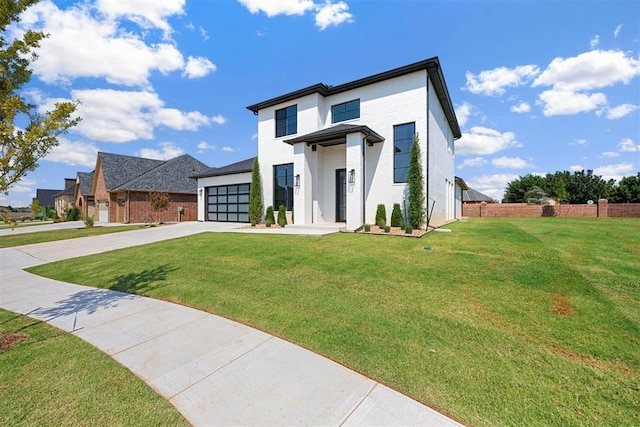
(341, 195)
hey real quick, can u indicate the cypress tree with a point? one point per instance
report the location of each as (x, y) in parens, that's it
(255, 194)
(416, 209)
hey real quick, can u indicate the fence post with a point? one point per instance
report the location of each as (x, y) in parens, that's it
(603, 208)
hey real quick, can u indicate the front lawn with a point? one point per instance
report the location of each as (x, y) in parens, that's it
(52, 378)
(501, 322)
(8, 241)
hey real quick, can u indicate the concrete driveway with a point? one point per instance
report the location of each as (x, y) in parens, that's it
(213, 370)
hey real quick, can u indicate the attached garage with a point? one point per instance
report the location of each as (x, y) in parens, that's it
(228, 203)
(103, 211)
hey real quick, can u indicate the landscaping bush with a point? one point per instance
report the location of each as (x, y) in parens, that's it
(408, 229)
(72, 213)
(396, 216)
(269, 215)
(282, 216)
(387, 229)
(89, 221)
(381, 216)
(367, 228)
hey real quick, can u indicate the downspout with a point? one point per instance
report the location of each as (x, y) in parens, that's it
(364, 178)
(427, 149)
(128, 207)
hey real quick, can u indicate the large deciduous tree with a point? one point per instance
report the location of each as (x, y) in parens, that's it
(627, 190)
(575, 188)
(27, 136)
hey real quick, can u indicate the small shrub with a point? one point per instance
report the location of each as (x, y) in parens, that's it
(408, 229)
(269, 215)
(387, 228)
(282, 216)
(381, 216)
(89, 222)
(396, 216)
(367, 228)
(72, 213)
(268, 223)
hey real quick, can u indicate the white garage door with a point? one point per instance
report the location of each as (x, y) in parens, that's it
(103, 212)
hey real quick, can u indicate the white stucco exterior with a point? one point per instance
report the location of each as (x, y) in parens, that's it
(364, 148)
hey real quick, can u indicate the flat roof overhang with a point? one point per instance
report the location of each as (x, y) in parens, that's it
(336, 135)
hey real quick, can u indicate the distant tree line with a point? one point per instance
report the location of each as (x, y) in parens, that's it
(573, 188)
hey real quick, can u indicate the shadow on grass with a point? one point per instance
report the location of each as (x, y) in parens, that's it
(145, 281)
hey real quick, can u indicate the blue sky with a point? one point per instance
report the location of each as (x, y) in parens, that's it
(538, 86)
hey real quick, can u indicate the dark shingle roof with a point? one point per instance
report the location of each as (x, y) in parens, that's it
(45, 197)
(431, 65)
(172, 176)
(118, 169)
(69, 191)
(336, 135)
(239, 167)
(472, 195)
(86, 182)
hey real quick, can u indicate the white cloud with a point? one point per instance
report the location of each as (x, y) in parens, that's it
(219, 119)
(74, 153)
(474, 162)
(557, 102)
(579, 142)
(576, 168)
(481, 140)
(204, 34)
(254, 136)
(572, 78)
(147, 14)
(616, 172)
(492, 185)
(168, 150)
(280, 7)
(332, 14)
(522, 107)
(610, 154)
(595, 41)
(202, 146)
(494, 82)
(25, 185)
(616, 32)
(463, 112)
(228, 149)
(621, 111)
(120, 116)
(510, 163)
(82, 44)
(628, 146)
(198, 67)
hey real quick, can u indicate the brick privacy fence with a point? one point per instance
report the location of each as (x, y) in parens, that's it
(602, 209)
(137, 210)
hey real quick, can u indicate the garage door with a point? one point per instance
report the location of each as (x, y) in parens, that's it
(228, 203)
(103, 212)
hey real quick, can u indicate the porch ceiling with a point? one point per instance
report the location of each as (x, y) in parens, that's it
(336, 135)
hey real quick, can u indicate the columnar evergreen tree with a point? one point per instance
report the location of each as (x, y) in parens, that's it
(396, 216)
(416, 206)
(23, 146)
(381, 215)
(255, 194)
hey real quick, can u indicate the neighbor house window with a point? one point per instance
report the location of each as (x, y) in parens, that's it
(402, 141)
(283, 186)
(287, 121)
(345, 111)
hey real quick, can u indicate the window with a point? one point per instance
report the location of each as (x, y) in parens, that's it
(283, 186)
(287, 121)
(345, 111)
(402, 141)
(228, 203)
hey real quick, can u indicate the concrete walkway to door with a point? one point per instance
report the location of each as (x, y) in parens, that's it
(213, 370)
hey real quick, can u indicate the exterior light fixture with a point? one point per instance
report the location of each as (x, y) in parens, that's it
(352, 176)
(297, 181)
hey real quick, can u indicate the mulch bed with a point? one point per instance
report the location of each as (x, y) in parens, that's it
(395, 231)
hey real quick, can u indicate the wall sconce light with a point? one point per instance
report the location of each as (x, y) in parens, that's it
(200, 191)
(352, 176)
(297, 181)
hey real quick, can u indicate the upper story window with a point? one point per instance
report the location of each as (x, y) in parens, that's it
(345, 111)
(402, 142)
(287, 121)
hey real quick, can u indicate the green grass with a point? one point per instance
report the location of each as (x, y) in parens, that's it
(20, 224)
(502, 322)
(63, 234)
(53, 378)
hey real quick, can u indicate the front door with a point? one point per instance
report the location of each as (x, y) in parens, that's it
(341, 195)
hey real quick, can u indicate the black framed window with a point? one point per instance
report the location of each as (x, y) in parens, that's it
(287, 121)
(345, 111)
(283, 186)
(402, 141)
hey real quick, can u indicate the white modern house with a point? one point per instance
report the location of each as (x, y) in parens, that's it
(331, 154)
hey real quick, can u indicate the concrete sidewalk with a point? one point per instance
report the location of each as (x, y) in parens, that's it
(213, 370)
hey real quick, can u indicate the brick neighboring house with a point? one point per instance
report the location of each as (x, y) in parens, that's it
(65, 198)
(122, 184)
(84, 198)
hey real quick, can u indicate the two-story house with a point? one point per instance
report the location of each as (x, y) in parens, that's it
(333, 153)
